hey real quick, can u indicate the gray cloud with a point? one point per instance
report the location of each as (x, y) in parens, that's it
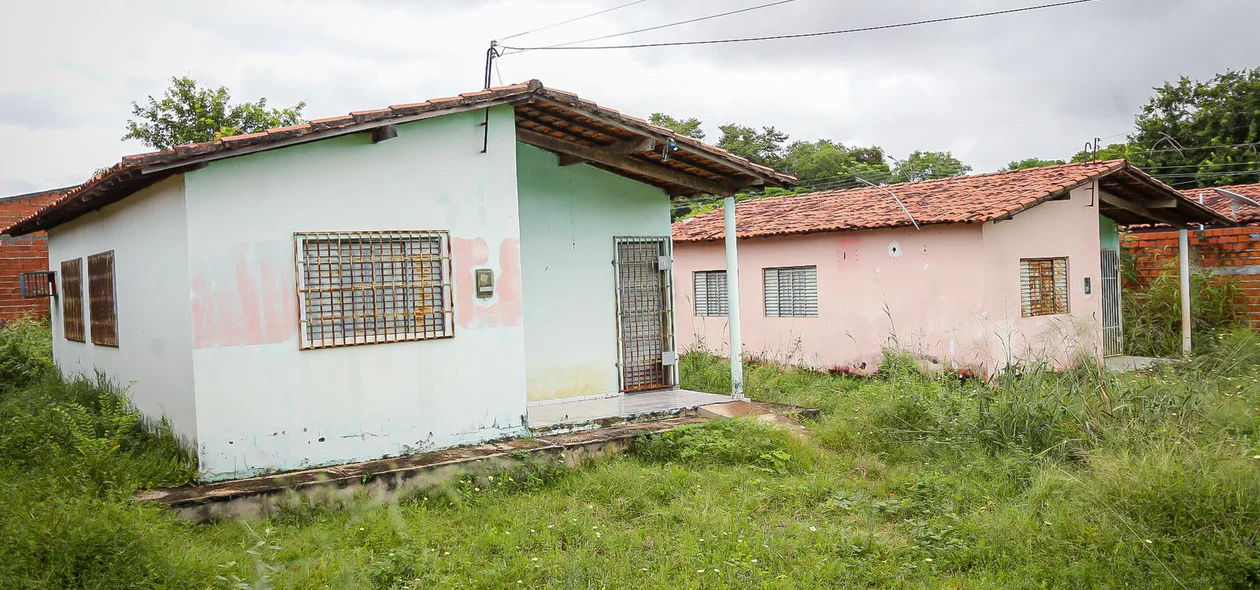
(36, 111)
(997, 89)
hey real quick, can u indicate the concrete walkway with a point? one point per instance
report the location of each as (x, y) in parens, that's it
(562, 415)
(1125, 364)
(394, 479)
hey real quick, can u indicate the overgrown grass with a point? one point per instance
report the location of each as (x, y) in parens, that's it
(1066, 480)
(1151, 311)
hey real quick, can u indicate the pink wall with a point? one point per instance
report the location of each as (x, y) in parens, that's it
(948, 294)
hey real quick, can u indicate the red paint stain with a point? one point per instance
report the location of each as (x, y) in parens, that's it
(502, 310)
(251, 301)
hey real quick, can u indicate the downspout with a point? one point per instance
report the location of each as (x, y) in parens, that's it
(732, 302)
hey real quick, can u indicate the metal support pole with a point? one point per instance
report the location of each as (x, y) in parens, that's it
(1183, 248)
(732, 302)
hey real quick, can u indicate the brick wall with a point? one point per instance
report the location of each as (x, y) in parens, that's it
(22, 254)
(1233, 251)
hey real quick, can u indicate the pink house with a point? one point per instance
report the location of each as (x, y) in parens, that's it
(977, 272)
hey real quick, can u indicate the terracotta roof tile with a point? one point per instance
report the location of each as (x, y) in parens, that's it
(965, 199)
(1241, 212)
(115, 181)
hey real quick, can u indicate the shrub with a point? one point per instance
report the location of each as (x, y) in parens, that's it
(727, 442)
(1152, 311)
(25, 354)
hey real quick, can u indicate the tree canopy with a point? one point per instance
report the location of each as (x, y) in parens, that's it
(689, 127)
(189, 113)
(921, 165)
(1031, 163)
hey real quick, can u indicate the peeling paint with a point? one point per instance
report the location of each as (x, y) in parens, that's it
(504, 308)
(244, 295)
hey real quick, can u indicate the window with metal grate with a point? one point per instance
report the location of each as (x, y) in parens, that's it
(373, 287)
(791, 292)
(101, 306)
(710, 293)
(72, 300)
(1043, 286)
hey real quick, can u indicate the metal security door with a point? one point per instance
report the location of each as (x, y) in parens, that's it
(1113, 331)
(645, 338)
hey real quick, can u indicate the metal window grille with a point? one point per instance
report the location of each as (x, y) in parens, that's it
(373, 287)
(102, 306)
(72, 300)
(711, 292)
(1043, 286)
(645, 313)
(37, 284)
(1113, 327)
(791, 292)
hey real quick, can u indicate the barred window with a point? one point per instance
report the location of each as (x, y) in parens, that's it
(1043, 286)
(373, 287)
(72, 300)
(710, 292)
(101, 307)
(791, 292)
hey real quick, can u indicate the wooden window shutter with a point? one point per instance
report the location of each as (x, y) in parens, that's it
(1043, 286)
(104, 314)
(72, 299)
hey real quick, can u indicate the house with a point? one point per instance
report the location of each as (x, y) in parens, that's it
(973, 273)
(20, 255)
(1232, 252)
(409, 278)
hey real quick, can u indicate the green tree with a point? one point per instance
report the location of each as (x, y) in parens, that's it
(826, 159)
(1209, 130)
(1031, 163)
(689, 126)
(189, 113)
(763, 147)
(922, 165)
(1115, 151)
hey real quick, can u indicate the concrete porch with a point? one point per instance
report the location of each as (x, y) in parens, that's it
(586, 413)
(1125, 364)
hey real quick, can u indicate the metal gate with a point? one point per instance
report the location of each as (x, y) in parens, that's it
(1113, 331)
(645, 322)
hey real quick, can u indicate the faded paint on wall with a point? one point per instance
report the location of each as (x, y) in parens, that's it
(1067, 228)
(153, 360)
(901, 288)
(504, 307)
(948, 295)
(569, 218)
(245, 295)
(262, 403)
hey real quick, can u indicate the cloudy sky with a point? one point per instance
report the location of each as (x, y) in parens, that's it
(991, 90)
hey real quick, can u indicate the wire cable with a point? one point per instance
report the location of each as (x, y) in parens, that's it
(573, 20)
(805, 35)
(674, 24)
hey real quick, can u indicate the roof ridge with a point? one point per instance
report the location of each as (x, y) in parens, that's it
(856, 189)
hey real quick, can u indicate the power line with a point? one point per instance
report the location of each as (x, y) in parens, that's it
(674, 24)
(573, 20)
(806, 35)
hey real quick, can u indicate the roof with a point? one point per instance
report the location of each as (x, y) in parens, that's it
(1220, 200)
(1135, 197)
(16, 207)
(580, 130)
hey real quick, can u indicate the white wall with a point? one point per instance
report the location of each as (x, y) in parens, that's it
(147, 233)
(569, 218)
(264, 404)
